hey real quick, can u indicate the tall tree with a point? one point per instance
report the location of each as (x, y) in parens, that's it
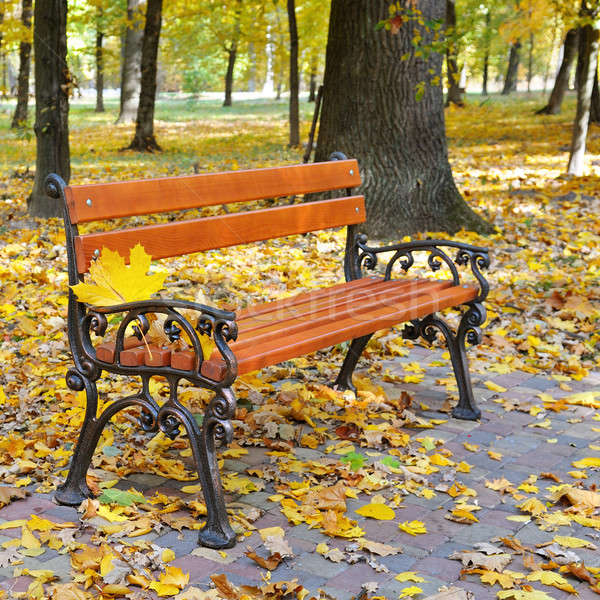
(232, 48)
(99, 58)
(589, 43)
(20, 115)
(52, 84)
(514, 58)
(454, 89)
(486, 53)
(131, 71)
(294, 77)
(561, 82)
(401, 145)
(144, 139)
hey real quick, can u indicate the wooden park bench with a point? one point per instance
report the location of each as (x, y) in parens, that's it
(261, 334)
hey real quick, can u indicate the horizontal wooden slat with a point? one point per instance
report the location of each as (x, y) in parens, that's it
(101, 201)
(196, 235)
(284, 347)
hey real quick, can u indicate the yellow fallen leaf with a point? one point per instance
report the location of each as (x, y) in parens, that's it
(552, 578)
(168, 555)
(413, 527)
(572, 542)
(490, 385)
(592, 461)
(471, 447)
(494, 455)
(409, 592)
(377, 511)
(409, 576)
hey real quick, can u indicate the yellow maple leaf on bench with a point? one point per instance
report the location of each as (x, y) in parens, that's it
(115, 282)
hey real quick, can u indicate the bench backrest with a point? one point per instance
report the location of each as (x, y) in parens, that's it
(99, 202)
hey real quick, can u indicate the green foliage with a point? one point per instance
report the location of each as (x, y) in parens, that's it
(355, 459)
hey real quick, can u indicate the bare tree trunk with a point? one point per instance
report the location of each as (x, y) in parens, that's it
(144, 139)
(99, 62)
(486, 55)
(52, 82)
(253, 67)
(530, 63)
(561, 84)
(370, 112)
(232, 54)
(131, 71)
(588, 57)
(20, 116)
(294, 83)
(312, 86)
(510, 81)
(454, 89)
(595, 102)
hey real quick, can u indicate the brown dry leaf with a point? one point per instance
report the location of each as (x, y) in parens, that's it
(67, 591)
(515, 544)
(530, 563)
(507, 579)
(378, 548)
(276, 544)
(270, 563)
(581, 573)
(226, 589)
(8, 494)
(551, 476)
(500, 485)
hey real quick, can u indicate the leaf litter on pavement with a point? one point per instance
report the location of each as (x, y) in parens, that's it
(333, 461)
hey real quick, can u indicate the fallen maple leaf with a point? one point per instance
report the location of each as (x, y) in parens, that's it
(381, 512)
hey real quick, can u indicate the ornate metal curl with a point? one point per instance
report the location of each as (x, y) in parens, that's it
(217, 422)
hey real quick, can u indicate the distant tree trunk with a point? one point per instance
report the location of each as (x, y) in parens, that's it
(588, 57)
(454, 89)
(530, 62)
(312, 86)
(595, 102)
(144, 139)
(561, 84)
(486, 55)
(401, 147)
(52, 83)
(294, 83)
(232, 54)
(253, 67)
(20, 116)
(131, 71)
(99, 62)
(510, 81)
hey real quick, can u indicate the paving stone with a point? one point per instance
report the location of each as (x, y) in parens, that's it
(315, 563)
(23, 509)
(352, 577)
(444, 569)
(430, 586)
(181, 543)
(144, 481)
(260, 500)
(481, 533)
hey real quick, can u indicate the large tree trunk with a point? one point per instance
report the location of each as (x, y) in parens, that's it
(99, 62)
(20, 116)
(371, 112)
(588, 56)
(294, 84)
(144, 125)
(454, 89)
(312, 85)
(530, 62)
(232, 55)
(510, 81)
(52, 84)
(131, 71)
(561, 84)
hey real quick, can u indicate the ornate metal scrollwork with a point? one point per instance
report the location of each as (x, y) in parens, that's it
(217, 420)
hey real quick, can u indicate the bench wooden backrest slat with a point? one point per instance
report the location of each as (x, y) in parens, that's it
(196, 235)
(96, 202)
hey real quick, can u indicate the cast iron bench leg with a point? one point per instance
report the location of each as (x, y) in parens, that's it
(468, 330)
(344, 379)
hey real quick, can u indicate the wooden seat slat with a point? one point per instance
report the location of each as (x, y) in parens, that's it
(195, 235)
(99, 201)
(357, 306)
(282, 347)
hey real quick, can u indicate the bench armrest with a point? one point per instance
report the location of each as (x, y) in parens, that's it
(474, 256)
(193, 319)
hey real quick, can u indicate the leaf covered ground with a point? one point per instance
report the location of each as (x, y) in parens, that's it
(320, 460)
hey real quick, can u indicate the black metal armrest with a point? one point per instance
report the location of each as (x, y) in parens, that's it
(181, 316)
(476, 257)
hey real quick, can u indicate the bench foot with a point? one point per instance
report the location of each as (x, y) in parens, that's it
(344, 379)
(468, 331)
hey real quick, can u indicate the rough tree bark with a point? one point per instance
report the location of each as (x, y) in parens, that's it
(131, 71)
(312, 84)
(370, 112)
(144, 139)
(294, 84)
(561, 84)
(454, 90)
(99, 62)
(514, 58)
(486, 54)
(232, 55)
(589, 38)
(52, 83)
(530, 62)
(595, 102)
(20, 116)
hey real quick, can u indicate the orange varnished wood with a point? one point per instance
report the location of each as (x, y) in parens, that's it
(358, 306)
(195, 235)
(311, 309)
(278, 348)
(127, 198)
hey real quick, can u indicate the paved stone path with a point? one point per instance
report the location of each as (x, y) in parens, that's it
(525, 451)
